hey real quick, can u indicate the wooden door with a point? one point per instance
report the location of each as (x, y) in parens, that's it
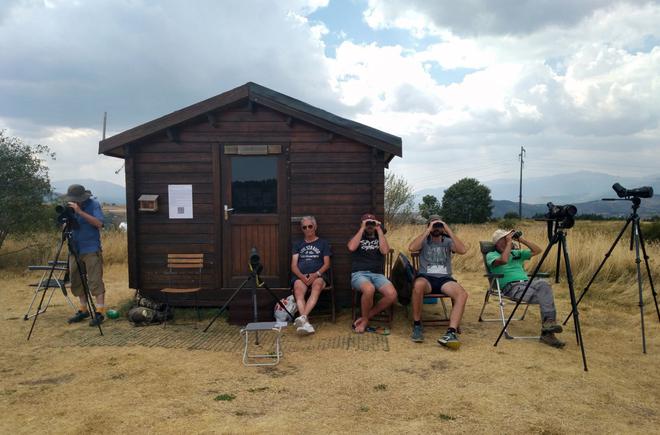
(254, 213)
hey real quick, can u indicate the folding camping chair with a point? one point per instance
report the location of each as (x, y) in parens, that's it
(181, 266)
(58, 281)
(437, 296)
(383, 317)
(493, 289)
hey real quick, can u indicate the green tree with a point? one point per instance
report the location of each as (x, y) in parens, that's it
(429, 206)
(399, 200)
(24, 183)
(467, 201)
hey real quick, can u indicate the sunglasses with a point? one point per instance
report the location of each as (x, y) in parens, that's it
(307, 227)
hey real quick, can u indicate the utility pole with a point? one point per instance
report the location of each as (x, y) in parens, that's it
(105, 120)
(522, 157)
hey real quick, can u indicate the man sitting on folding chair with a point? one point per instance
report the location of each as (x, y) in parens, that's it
(436, 245)
(509, 262)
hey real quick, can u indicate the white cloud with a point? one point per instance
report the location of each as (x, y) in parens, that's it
(574, 82)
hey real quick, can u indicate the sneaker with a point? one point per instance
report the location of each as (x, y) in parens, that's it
(97, 320)
(550, 326)
(78, 317)
(305, 329)
(417, 334)
(300, 321)
(450, 340)
(550, 339)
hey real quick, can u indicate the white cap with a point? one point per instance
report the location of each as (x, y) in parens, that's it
(498, 234)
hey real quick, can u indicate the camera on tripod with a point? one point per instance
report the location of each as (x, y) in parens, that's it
(65, 214)
(255, 261)
(563, 215)
(638, 192)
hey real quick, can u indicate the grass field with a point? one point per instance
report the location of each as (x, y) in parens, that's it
(55, 384)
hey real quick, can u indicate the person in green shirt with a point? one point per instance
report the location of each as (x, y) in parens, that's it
(509, 262)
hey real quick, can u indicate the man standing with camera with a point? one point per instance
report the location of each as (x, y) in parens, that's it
(509, 262)
(86, 241)
(435, 246)
(369, 248)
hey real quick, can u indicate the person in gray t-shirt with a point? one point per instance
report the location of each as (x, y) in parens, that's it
(435, 246)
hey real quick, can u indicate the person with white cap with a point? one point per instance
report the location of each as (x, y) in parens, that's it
(86, 240)
(509, 262)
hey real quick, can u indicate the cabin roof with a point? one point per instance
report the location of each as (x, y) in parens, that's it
(260, 95)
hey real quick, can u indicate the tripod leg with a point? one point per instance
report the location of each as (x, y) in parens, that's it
(639, 280)
(50, 276)
(522, 295)
(602, 263)
(224, 307)
(558, 268)
(277, 300)
(648, 272)
(571, 290)
(82, 271)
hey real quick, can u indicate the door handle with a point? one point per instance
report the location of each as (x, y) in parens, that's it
(227, 211)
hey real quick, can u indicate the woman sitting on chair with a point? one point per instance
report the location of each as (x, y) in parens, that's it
(310, 263)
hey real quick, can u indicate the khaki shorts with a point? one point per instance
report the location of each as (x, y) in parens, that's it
(93, 263)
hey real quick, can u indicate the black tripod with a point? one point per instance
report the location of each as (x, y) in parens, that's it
(637, 240)
(67, 233)
(255, 269)
(557, 237)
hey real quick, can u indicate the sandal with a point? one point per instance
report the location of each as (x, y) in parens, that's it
(378, 330)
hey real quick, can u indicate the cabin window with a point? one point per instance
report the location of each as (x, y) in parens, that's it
(254, 184)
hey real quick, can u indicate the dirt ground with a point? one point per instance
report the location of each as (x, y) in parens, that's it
(53, 384)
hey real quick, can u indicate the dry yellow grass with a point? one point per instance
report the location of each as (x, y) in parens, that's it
(587, 244)
(47, 385)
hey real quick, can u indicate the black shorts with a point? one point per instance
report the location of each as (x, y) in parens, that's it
(436, 281)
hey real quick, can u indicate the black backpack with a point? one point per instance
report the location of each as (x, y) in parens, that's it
(402, 277)
(148, 312)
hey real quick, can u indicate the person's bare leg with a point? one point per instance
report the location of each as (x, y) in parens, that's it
(420, 287)
(317, 287)
(388, 293)
(459, 298)
(366, 303)
(299, 291)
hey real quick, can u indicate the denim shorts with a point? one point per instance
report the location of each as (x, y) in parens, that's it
(377, 279)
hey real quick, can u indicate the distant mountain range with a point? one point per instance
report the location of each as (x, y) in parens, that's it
(104, 191)
(573, 187)
(584, 189)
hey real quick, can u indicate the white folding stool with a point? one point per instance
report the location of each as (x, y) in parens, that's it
(264, 359)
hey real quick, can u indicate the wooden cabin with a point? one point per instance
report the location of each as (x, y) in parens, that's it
(238, 171)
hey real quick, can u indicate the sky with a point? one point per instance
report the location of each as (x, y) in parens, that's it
(465, 84)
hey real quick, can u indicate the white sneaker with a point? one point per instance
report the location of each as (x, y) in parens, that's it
(300, 321)
(305, 329)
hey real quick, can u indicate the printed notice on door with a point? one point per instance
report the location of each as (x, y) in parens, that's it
(180, 200)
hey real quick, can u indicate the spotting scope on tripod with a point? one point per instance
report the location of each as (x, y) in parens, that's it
(636, 242)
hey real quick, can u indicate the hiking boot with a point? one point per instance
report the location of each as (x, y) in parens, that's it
(551, 326)
(97, 320)
(550, 339)
(450, 340)
(305, 329)
(417, 334)
(78, 317)
(300, 321)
